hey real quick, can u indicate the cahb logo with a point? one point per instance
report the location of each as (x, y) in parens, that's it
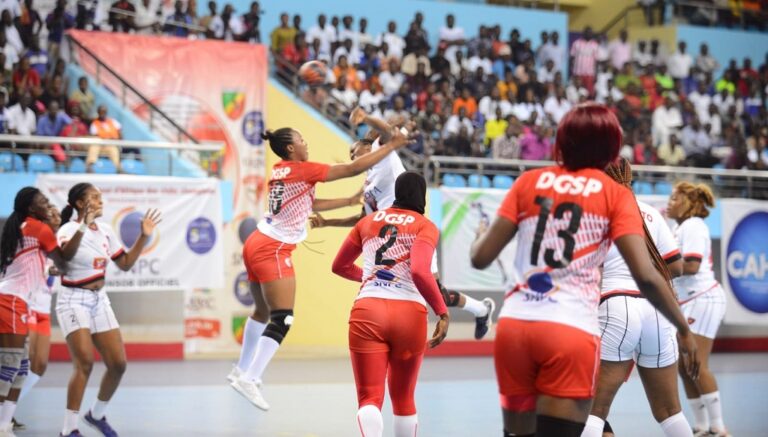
(127, 223)
(747, 262)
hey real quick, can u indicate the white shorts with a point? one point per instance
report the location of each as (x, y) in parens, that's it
(77, 308)
(632, 329)
(706, 312)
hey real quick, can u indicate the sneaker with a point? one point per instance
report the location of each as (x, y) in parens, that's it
(234, 375)
(74, 433)
(700, 432)
(100, 425)
(483, 324)
(723, 433)
(18, 425)
(7, 431)
(250, 390)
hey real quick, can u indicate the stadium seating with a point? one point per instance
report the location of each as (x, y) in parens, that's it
(104, 166)
(503, 181)
(10, 162)
(454, 180)
(640, 187)
(132, 166)
(77, 165)
(662, 188)
(38, 163)
(479, 181)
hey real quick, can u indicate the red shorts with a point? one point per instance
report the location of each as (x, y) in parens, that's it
(388, 325)
(13, 315)
(545, 358)
(267, 259)
(40, 323)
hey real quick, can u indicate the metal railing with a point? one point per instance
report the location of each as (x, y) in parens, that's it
(130, 98)
(732, 183)
(210, 154)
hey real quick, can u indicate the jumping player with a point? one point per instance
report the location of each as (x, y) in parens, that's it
(26, 241)
(83, 309)
(378, 195)
(701, 297)
(632, 329)
(547, 346)
(267, 252)
(388, 322)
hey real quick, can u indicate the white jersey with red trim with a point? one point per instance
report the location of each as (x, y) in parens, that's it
(98, 247)
(40, 301)
(693, 237)
(27, 271)
(379, 187)
(291, 195)
(566, 221)
(616, 276)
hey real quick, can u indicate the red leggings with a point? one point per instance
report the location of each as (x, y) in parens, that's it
(387, 339)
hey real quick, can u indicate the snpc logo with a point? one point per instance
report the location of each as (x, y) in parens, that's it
(747, 262)
(127, 223)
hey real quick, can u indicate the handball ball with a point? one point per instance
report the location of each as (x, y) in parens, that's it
(313, 73)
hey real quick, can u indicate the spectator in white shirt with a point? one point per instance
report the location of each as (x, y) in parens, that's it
(557, 106)
(412, 60)
(323, 32)
(227, 26)
(455, 123)
(11, 54)
(391, 80)
(347, 32)
(347, 97)
(488, 104)
(620, 51)
(363, 37)
(715, 121)
(347, 49)
(641, 57)
(21, 117)
(147, 17)
(723, 100)
(705, 61)
(679, 63)
(12, 5)
(370, 97)
(576, 92)
(482, 61)
(701, 101)
(452, 37)
(458, 63)
(395, 42)
(666, 119)
(547, 72)
(11, 32)
(553, 51)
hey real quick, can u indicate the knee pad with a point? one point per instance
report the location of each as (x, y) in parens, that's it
(280, 322)
(519, 404)
(10, 363)
(548, 425)
(21, 375)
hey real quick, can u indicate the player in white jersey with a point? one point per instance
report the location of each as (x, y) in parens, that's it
(25, 244)
(633, 331)
(701, 298)
(83, 309)
(378, 195)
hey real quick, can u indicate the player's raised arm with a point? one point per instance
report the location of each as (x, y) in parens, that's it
(341, 171)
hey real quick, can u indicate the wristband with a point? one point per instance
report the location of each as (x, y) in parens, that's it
(82, 228)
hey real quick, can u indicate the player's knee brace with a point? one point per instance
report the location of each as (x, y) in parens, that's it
(10, 363)
(607, 428)
(548, 425)
(280, 322)
(21, 375)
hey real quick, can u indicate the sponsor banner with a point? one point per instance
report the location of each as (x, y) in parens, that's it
(745, 261)
(185, 250)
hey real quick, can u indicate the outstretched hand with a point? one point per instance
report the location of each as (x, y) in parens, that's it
(150, 220)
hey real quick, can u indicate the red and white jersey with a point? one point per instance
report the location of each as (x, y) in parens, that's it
(98, 247)
(584, 56)
(379, 187)
(40, 302)
(617, 280)
(27, 271)
(386, 238)
(693, 237)
(291, 195)
(566, 221)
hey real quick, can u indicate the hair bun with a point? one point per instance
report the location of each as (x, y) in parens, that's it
(267, 135)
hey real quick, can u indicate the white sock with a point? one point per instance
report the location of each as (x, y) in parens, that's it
(370, 421)
(475, 307)
(30, 382)
(406, 426)
(70, 422)
(6, 413)
(251, 335)
(99, 409)
(714, 410)
(265, 350)
(593, 427)
(676, 426)
(700, 416)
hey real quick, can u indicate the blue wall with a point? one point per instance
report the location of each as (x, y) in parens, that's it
(726, 44)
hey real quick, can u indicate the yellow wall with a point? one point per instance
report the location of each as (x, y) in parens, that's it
(666, 35)
(597, 14)
(323, 300)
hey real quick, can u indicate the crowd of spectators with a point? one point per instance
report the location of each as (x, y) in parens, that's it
(501, 96)
(747, 14)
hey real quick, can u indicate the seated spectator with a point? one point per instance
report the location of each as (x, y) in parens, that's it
(523, 71)
(467, 102)
(419, 81)
(547, 72)
(106, 128)
(412, 60)
(11, 32)
(556, 106)
(459, 144)
(503, 62)
(626, 77)
(369, 63)
(26, 79)
(439, 62)
(529, 111)
(282, 35)
(343, 69)
(664, 79)
(490, 103)
(21, 117)
(645, 152)
(494, 127)
(84, 98)
(228, 26)
(757, 154)
(297, 52)
(399, 109)
(370, 97)
(724, 100)
(657, 54)
(456, 122)
(507, 146)
(701, 101)
(666, 118)
(575, 92)
(458, 63)
(395, 42)
(120, 21)
(706, 62)
(347, 49)
(535, 144)
(38, 58)
(507, 84)
(670, 152)
(177, 23)
(714, 120)
(146, 21)
(752, 102)
(77, 127)
(344, 94)
(391, 80)
(641, 57)
(482, 61)
(696, 142)
(727, 82)
(51, 124)
(54, 92)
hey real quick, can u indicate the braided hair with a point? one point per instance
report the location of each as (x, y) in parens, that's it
(697, 198)
(12, 235)
(279, 141)
(75, 193)
(621, 172)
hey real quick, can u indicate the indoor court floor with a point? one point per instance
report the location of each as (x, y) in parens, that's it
(455, 397)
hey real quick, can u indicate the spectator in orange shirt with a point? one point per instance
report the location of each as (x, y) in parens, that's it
(105, 128)
(343, 68)
(467, 102)
(507, 84)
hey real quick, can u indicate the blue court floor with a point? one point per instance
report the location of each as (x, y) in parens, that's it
(455, 397)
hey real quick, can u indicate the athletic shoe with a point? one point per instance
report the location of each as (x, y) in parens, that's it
(700, 432)
(17, 426)
(483, 324)
(7, 431)
(723, 433)
(234, 375)
(250, 390)
(101, 425)
(74, 433)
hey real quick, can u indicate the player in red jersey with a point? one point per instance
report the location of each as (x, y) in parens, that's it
(267, 252)
(388, 323)
(547, 344)
(26, 242)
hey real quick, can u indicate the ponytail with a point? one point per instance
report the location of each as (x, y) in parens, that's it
(279, 141)
(66, 213)
(698, 198)
(75, 193)
(12, 235)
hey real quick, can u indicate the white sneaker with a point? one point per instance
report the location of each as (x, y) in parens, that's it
(234, 375)
(250, 390)
(7, 431)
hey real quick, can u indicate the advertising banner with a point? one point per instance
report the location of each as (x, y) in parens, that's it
(186, 249)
